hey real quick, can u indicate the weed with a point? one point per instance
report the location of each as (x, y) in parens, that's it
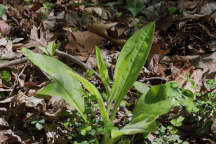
(154, 101)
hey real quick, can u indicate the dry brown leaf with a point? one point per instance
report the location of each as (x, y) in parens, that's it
(100, 12)
(194, 74)
(4, 28)
(6, 49)
(187, 4)
(213, 127)
(8, 136)
(101, 29)
(157, 50)
(200, 68)
(208, 8)
(81, 44)
(36, 6)
(206, 62)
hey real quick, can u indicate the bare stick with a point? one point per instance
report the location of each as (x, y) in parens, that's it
(13, 62)
(70, 57)
(76, 60)
(154, 78)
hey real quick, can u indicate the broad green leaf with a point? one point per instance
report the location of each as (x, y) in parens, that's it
(145, 125)
(94, 91)
(69, 88)
(157, 101)
(186, 100)
(141, 87)
(56, 89)
(131, 60)
(103, 70)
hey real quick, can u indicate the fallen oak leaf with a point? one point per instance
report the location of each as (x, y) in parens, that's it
(82, 44)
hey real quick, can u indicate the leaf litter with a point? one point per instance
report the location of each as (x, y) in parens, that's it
(183, 50)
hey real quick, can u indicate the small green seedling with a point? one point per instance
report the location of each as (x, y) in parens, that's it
(2, 10)
(211, 84)
(177, 122)
(135, 6)
(51, 49)
(38, 124)
(47, 6)
(172, 10)
(5, 76)
(153, 102)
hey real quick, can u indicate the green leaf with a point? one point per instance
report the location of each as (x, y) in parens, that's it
(108, 127)
(42, 121)
(186, 98)
(85, 130)
(135, 6)
(51, 49)
(103, 70)
(177, 122)
(157, 101)
(56, 89)
(2, 10)
(145, 125)
(211, 84)
(5, 75)
(131, 60)
(52, 46)
(94, 91)
(33, 122)
(39, 126)
(141, 87)
(47, 6)
(64, 85)
(2, 95)
(172, 10)
(44, 50)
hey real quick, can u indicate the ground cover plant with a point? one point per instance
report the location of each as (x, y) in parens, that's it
(101, 71)
(154, 101)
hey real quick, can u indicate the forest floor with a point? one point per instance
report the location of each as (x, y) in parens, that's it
(183, 50)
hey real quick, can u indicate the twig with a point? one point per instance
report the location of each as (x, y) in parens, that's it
(207, 31)
(13, 62)
(212, 13)
(76, 60)
(63, 54)
(154, 78)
